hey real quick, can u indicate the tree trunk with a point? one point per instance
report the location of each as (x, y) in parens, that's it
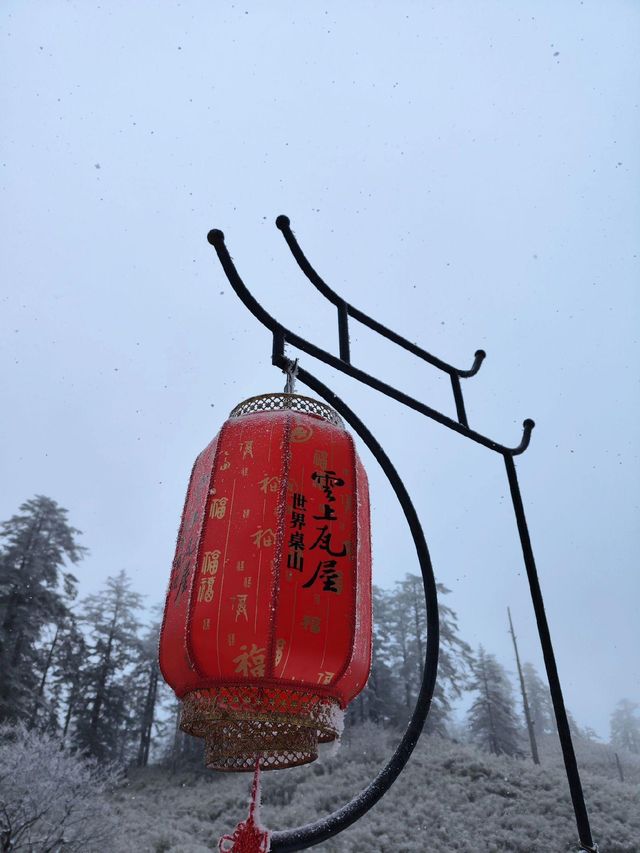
(70, 706)
(152, 708)
(43, 680)
(147, 718)
(17, 649)
(525, 701)
(493, 737)
(176, 741)
(102, 680)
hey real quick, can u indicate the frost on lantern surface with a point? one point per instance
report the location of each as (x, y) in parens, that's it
(267, 627)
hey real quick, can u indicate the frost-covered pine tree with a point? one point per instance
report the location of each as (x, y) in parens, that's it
(151, 694)
(409, 629)
(380, 701)
(455, 667)
(67, 675)
(104, 716)
(625, 726)
(404, 651)
(540, 705)
(492, 719)
(44, 706)
(35, 591)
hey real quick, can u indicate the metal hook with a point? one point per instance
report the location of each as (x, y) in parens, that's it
(292, 374)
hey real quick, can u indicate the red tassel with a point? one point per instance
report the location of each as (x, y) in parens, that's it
(249, 835)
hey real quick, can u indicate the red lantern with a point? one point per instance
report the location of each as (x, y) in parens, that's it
(267, 626)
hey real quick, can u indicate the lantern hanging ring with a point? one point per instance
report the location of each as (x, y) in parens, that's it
(303, 837)
(291, 369)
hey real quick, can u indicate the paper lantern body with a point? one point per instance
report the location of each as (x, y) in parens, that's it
(267, 627)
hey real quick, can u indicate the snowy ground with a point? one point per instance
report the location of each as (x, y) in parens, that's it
(451, 797)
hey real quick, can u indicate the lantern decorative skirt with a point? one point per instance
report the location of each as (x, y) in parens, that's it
(266, 634)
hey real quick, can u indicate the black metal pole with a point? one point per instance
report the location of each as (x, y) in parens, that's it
(457, 396)
(568, 753)
(343, 332)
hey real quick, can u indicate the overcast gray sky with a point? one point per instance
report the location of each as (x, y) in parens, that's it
(466, 172)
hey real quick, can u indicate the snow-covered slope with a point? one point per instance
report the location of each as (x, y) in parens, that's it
(451, 797)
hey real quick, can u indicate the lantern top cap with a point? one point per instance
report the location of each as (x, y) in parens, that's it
(280, 401)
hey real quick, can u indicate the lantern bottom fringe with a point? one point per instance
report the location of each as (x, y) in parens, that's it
(280, 727)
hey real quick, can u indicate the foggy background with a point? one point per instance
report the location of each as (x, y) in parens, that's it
(467, 173)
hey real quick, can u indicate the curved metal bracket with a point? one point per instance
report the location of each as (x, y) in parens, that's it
(303, 837)
(284, 224)
(282, 336)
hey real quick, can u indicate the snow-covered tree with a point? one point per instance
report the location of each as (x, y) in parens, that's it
(104, 706)
(51, 799)
(381, 701)
(43, 712)
(625, 726)
(493, 722)
(410, 630)
(399, 642)
(35, 591)
(151, 693)
(455, 666)
(540, 705)
(68, 672)
(403, 656)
